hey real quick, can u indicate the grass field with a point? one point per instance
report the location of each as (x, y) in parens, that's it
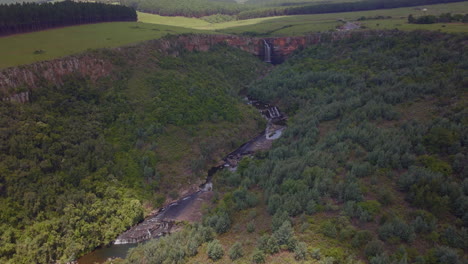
(50, 44)
(54, 43)
(303, 24)
(200, 24)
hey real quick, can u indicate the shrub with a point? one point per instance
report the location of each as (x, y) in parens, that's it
(361, 238)
(215, 250)
(300, 252)
(258, 256)
(251, 227)
(220, 222)
(207, 233)
(385, 197)
(424, 223)
(263, 242)
(272, 245)
(311, 207)
(278, 219)
(396, 228)
(329, 229)
(284, 234)
(316, 253)
(446, 255)
(374, 248)
(192, 246)
(380, 259)
(236, 251)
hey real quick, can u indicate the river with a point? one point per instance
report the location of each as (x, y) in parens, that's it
(160, 223)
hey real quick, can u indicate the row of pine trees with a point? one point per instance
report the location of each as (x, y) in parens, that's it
(26, 17)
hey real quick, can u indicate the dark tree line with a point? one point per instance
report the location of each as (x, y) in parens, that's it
(187, 8)
(337, 7)
(26, 17)
(443, 18)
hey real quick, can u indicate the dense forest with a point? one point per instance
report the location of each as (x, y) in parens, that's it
(372, 167)
(26, 17)
(442, 18)
(82, 161)
(253, 9)
(188, 8)
(336, 7)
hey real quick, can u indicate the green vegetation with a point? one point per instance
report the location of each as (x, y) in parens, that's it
(81, 159)
(255, 9)
(323, 8)
(18, 18)
(51, 44)
(443, 18)
(55, 43)
(305, 24)
(372, 166)
(187, 8)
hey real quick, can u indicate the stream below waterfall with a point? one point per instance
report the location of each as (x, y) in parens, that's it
(160, 223)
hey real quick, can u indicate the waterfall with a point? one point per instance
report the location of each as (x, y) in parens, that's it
(267, 50)
(273, 112)
(277, 112)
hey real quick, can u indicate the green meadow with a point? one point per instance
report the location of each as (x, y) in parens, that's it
(55, 43)
(303, 24)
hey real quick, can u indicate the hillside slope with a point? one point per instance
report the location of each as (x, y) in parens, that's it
(372, 167)
(84, 160)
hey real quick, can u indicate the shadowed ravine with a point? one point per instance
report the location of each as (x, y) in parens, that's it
(162, 221)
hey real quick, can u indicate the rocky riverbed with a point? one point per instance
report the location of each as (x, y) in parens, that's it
(189, 207)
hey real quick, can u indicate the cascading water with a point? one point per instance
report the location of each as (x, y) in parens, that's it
(161, 222)
(267, 50)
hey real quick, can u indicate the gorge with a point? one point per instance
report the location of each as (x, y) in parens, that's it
(371, 168)
(162, 221)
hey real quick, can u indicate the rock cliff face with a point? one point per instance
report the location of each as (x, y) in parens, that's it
(16, 82)
(281, 47)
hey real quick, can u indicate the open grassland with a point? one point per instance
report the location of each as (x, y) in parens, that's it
(50, 44)
(197, 23)
(303, 24)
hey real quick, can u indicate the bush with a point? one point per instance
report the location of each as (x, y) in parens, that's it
(258, 256)
(385, 197)
(262, 242)
(300, 252)
(380, 259)
(272, 246)
(329, 229)
(396, 228)
(361, 238)
(374, 248)
(446, 255)
(284, 234)
(236, 251)
(220, 222)
(316, 253)
(251, 227)
(311, 207)
(278, 219)
(215, 250)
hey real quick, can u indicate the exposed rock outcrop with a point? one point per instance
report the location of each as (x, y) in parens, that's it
(31, 76)
(15, 82)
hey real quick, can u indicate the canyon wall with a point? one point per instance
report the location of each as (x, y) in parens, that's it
(16, 83)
